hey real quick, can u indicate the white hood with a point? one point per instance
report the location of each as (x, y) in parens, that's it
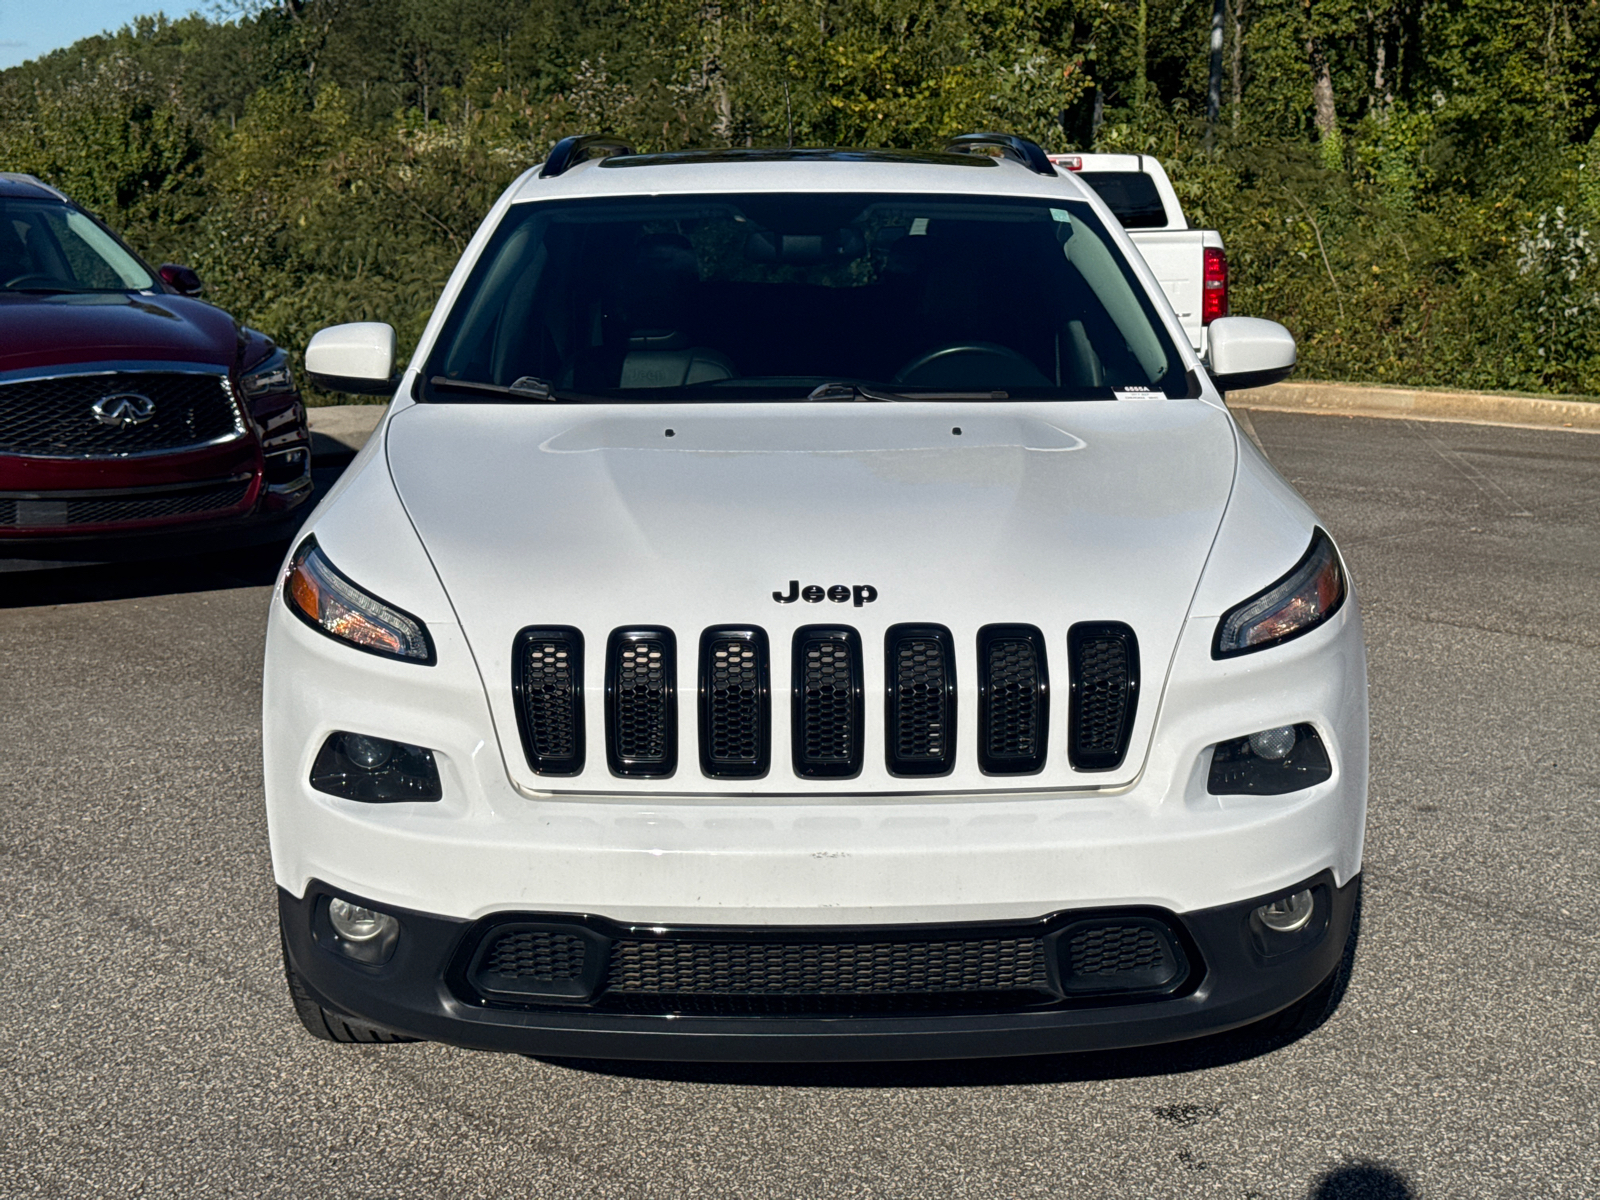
(691, 516)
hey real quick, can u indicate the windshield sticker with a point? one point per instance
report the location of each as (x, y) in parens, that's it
(919, 227)
(1139, 393)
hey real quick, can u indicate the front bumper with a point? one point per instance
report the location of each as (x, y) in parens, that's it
(422, 992)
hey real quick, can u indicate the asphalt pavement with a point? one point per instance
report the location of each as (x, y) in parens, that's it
(147, 1045)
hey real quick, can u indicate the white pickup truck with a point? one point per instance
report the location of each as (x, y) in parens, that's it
(1190, 263)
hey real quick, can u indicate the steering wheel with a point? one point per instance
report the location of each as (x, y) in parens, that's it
(976, 365)
(20, 280)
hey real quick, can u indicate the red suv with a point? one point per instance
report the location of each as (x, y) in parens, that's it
(133, 417)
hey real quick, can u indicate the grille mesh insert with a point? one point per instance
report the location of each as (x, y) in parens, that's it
(1013, 697)
(641, 702)
(921, 717)
(1115, 950)
(827, 704)
(1105, 681)
(734, 733)
(52, 417)
(550, 689)
(834, 968)
(536, 954)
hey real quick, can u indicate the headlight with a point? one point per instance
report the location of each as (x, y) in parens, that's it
(271, 378)
(328, 602)
(1299, 602)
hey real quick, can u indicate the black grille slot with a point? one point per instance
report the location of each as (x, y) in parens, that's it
(147, 505)
(642, 702)
(920, 711)
(55, 418)
(1120, 954)
(735, 704)
(1104, 661)
(1013, 700)
(547, 678)
(827, 702)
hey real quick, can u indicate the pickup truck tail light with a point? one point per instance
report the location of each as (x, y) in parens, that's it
(1214, 294)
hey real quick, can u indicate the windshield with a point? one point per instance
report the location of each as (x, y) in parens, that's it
(46, 246)
(788, 296)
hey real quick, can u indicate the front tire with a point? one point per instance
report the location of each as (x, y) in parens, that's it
(327, 1025)
(1309, 1012)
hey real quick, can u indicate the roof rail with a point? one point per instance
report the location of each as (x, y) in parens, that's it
(1009, 145)
(34, 180)
(569, 152)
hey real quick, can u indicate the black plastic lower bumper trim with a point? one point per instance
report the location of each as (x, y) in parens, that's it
(411, 994)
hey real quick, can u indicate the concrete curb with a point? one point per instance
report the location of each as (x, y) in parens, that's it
(339, 430)
(1475, 408)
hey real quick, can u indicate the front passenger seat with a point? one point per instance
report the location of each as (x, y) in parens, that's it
(658, 290)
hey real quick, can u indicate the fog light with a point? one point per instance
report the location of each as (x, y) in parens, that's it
(375, 770)
(1273, 744)
(1270, 762)
(1287, 914)
(357, 924)
(370, 753)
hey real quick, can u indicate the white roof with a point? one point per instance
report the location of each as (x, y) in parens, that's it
(1005, 177)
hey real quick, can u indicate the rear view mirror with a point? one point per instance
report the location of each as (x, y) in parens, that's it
(356, 358)
(183, 280)
(1247, 352)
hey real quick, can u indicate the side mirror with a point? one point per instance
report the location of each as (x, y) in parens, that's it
(355, 358)
(183, 280)
(1247, 352)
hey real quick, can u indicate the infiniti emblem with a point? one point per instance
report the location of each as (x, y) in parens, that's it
(122, 409)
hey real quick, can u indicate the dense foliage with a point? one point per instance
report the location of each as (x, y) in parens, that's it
(1413, 186)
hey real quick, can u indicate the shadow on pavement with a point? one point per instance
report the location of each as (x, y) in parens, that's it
(1363, 1181)
(250, 566)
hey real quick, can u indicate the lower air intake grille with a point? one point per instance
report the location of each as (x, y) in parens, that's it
(1128, 954)
(920, 674)
(827, 702)
(603, 966)
(547, 676)
(838, 968)
(735, 704)
(115, 509)
(539, 955)
(1105, 691)
(641, 702)
(1013, 700)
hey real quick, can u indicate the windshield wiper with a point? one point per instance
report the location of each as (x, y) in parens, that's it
(852, 391)
(526, 388)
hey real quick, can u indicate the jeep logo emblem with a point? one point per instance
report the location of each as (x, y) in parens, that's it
(862, 593)
(123, 409)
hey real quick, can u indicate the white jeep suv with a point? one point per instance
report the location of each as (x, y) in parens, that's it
(810, 604)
